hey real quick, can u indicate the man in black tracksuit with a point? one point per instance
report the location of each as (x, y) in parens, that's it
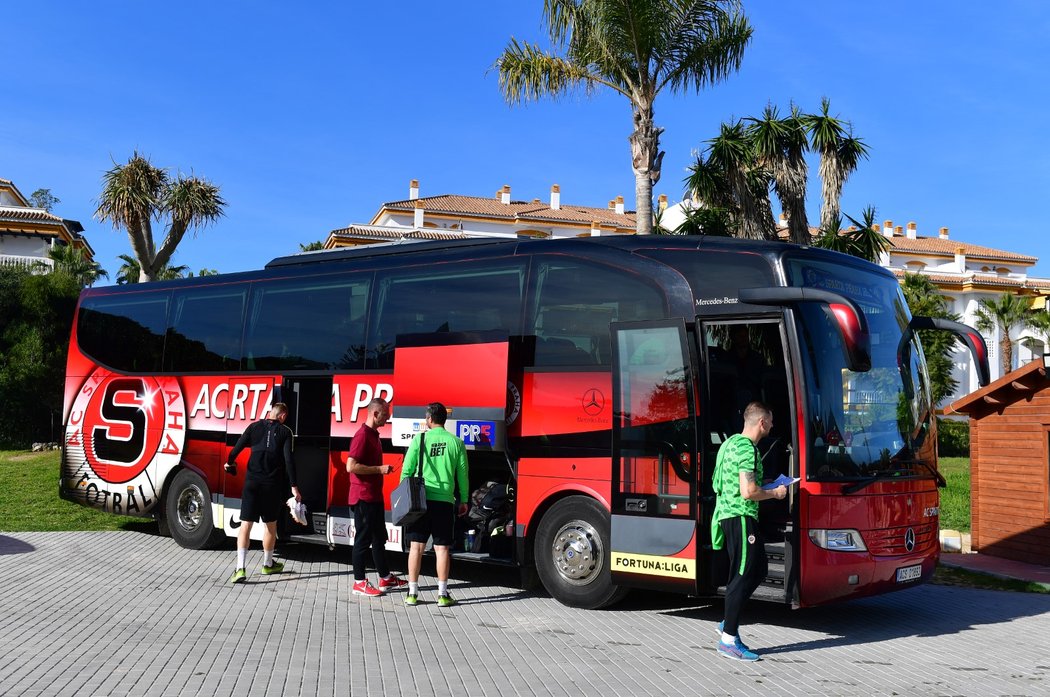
(262, 496)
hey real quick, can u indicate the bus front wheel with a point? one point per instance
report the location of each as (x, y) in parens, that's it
(572, 554)
(187, 512)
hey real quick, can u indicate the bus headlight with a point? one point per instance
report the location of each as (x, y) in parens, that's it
(838, 540)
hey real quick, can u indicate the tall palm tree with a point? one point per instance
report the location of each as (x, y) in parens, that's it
(73, 261)
(840, 153)
(633, 47)
(780, 147)
(1003, 313)
(137, 193)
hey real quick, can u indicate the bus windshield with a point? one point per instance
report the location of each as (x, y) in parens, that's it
(875, 424)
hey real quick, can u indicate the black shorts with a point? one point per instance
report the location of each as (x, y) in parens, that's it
(261, 500)
(439, 521)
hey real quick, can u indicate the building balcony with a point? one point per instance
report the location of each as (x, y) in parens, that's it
(31, 263)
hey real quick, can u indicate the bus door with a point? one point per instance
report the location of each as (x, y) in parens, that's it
(654, 485)
(745, 362)
(309, 400)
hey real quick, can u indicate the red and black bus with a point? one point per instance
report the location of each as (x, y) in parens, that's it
(595, 378)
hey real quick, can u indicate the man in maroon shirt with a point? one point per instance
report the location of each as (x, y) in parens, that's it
(366, 468)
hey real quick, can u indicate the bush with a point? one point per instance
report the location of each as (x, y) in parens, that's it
(953, 438)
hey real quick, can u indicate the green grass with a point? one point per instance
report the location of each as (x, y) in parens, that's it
(29, 499)
(955, 498)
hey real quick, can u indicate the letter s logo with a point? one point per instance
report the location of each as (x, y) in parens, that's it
(120, 437)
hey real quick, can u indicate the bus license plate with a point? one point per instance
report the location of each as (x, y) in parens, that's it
(909, 573)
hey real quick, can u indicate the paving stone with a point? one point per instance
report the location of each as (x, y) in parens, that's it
(128, 613)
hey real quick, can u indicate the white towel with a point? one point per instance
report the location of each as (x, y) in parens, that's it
(298, 510)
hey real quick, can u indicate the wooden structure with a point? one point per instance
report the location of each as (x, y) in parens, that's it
(1010, 465)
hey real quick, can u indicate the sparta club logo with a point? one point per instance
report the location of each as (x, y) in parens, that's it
(117, 427)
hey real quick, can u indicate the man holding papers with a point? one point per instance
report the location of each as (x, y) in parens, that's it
(734, 525)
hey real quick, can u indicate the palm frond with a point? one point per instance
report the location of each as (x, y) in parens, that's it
(527, 73)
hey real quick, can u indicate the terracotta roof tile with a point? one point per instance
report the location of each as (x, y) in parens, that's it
(937, 245)
(20, 213)
(981, 279)
(379, 232)
(523, 211)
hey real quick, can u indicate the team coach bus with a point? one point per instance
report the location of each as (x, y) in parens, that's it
(595, 378)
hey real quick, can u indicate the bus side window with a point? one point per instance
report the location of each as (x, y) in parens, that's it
(205, 329)
(573, 305)
(125, 332)
(470, 296)
(307, 323)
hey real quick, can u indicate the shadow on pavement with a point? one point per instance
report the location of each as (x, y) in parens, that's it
(929, 610)
(13, 545)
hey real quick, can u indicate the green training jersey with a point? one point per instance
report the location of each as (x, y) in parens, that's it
(444, 465)
(738, 454)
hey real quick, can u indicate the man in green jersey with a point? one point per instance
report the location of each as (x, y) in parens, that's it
(444, 468)
(737, 485)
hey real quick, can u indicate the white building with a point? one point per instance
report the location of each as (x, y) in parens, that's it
(452, 216)
(28, 233)
(967, 273)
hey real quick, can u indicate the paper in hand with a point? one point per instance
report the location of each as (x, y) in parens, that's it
(781, 480)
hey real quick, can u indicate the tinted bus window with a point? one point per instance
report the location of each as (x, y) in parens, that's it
(716, 276)
(575, 304)
(467, 297)
(124, 332)
(205, 329)
(307, 324)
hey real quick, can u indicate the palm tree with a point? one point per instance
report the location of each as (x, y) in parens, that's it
(780, 148)
(73, 261)
(137, 193)
(635, 48)
(840, 153)
(731, 178)
(1003, 313)
(862, 239)
(130, 272)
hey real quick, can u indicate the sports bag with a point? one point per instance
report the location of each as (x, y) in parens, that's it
(408, 501)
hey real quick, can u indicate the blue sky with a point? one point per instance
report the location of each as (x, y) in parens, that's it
(310, 116)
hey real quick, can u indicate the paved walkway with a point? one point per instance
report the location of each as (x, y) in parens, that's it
(128, 613)
(1001, 568)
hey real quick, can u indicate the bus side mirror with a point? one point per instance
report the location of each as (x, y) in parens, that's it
(845, 313)
(966, 334)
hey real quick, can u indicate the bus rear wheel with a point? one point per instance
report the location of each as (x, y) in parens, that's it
(572, 554)
(187, 510)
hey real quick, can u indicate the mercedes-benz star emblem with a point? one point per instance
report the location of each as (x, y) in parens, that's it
(593, 402)
(909, 540)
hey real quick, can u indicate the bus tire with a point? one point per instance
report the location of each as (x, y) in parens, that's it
(187, 510)
(572, 554)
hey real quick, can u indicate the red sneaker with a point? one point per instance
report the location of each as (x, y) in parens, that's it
(391, 582)
(366, 588)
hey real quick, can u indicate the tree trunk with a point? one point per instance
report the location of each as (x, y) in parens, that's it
(645, 159)
(1006, 352)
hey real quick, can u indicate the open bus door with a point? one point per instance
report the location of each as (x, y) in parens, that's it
(654, 541)
(309, 400)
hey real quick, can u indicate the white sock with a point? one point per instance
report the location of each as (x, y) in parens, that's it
(413, 588)
(267, 557)
(442, 587)
(728, 638)
(242, 557)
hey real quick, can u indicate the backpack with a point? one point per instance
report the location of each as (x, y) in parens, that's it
(489, 513)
